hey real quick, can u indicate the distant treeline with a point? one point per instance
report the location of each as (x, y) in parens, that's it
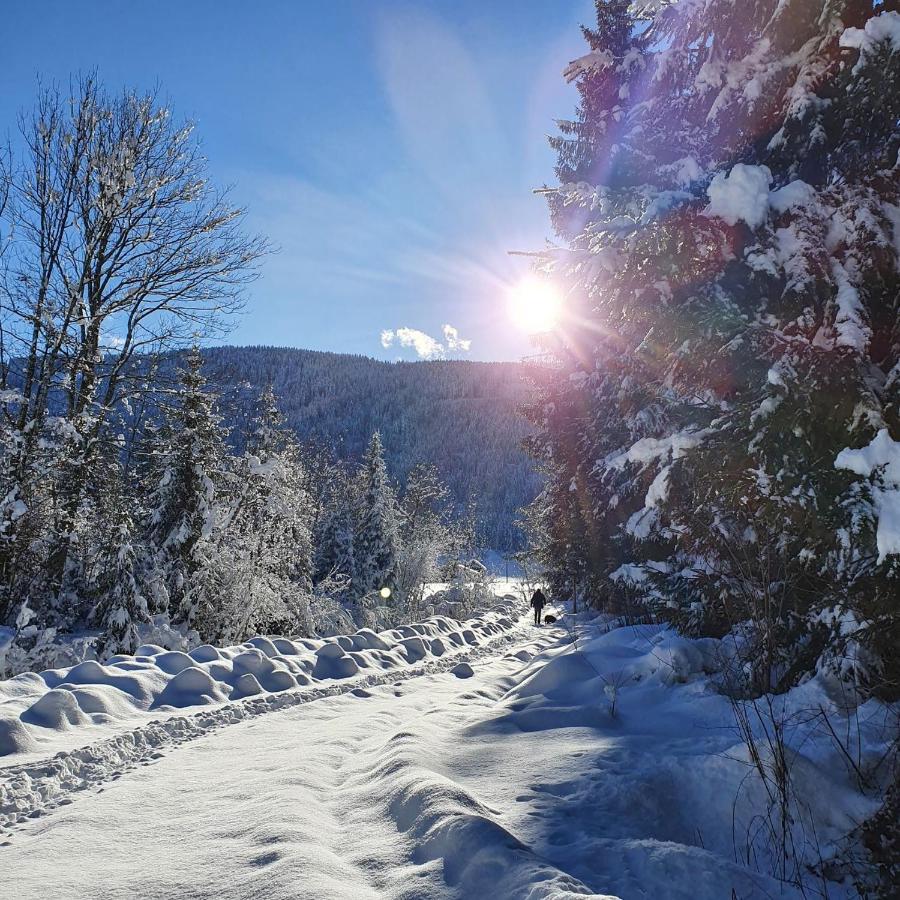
(460, 416)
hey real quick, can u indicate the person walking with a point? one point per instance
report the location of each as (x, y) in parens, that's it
(538, 602)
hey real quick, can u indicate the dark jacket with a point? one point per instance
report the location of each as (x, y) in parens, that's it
(538, 600)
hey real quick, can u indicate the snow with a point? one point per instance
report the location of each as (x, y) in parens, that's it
(881, 455)
(595, 61)
(794, 195)
(740, 196)
(659, 488)
(641, 522)
(852, 330)
(39, 711)
(628, 573)
(883, 27)
(644, 453)
(686, 171)
(462, 670)
(538, 767)
(648, 450)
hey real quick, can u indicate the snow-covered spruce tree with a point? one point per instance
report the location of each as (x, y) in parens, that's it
(731, 270)
(45, 640)
(279, 498)
(124, 607)
(334, 555)
(377, 534)
(25, 512)
(593, 396)
(183, 527)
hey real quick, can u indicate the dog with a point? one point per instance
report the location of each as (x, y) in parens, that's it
(549, 620)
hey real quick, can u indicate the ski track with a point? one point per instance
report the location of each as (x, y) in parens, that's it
(33, 789)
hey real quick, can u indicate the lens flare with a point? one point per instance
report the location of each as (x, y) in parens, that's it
(535, 305)
(385, 593)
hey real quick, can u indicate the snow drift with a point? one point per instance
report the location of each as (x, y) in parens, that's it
(37, 708)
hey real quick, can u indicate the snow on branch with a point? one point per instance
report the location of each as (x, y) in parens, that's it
(880, 459)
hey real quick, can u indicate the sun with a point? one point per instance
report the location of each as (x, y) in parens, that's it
(535, 305)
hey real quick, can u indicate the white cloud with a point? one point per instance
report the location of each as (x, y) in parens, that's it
(454, 341)
(425, 345)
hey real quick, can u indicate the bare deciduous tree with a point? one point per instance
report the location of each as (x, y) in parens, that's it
(118, 244)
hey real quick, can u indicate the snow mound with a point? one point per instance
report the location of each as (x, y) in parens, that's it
(38, 708)
(101, 704)
(204, 653)
(57, 709)
(556, 676)
(332, 661)
(190, 687)
(599, 663)
(15, 737)
(173, 662)
(462, 670)
(246, 686)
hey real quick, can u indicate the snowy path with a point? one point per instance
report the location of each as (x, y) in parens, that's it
(504, 784)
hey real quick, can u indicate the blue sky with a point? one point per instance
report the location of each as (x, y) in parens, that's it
(389, 149)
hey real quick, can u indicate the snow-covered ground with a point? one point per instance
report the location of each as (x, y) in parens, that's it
(514, 764)
(61, 709)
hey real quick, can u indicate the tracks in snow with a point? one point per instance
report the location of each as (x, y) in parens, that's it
(34, 789)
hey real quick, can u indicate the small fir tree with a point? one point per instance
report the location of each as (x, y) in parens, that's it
(377, 537)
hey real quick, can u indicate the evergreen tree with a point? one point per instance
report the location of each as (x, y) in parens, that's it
(731, 271)
(183, 521)
(124, 607)
(377, 537)
(334, 547)
(265, 550)
(592, 148)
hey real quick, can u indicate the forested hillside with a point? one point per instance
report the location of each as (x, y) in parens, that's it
(457, 415)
